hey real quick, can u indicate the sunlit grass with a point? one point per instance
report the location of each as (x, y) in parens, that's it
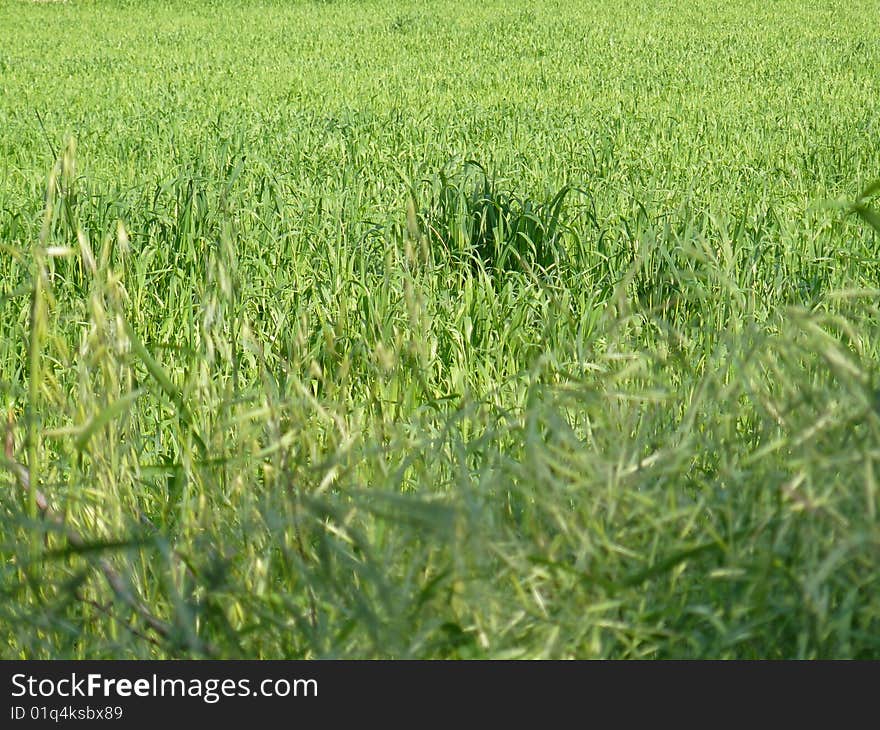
(384, 329)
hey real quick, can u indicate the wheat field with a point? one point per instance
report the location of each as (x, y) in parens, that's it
(399, 329)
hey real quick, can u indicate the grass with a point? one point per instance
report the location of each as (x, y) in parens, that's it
(288, 375)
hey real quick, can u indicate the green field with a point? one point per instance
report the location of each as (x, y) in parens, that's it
(383, 328)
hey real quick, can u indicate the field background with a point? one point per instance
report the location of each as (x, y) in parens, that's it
(276, 396)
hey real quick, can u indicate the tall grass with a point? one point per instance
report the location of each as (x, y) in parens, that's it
(287, 376)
